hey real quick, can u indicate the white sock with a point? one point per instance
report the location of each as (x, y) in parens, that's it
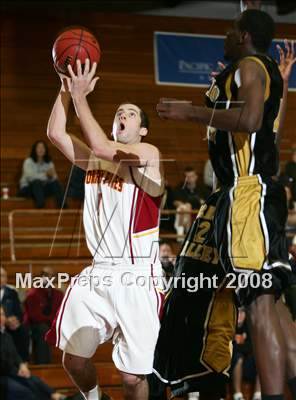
(238, 396)
(92, 394)
(257, 396)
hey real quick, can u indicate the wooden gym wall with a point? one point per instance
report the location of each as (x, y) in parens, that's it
(29, 83)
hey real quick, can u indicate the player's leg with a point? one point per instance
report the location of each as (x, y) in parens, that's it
(237, 376)
(85, 320)
(257, 389)
(137, 308)
(135, 387)
(269, 346)
(83, 374)
(289, 332)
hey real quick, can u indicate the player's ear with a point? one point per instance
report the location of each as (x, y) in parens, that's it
(245, 37)
(143, 131)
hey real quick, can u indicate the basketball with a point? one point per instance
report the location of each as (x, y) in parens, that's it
(73, 44)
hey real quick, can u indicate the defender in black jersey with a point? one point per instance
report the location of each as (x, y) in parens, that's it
(250, 216)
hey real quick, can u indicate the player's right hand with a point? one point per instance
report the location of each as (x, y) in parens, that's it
(220, 68)
(287, 59)
(65, 81)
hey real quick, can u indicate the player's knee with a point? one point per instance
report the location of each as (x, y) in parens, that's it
(132, 381)
(74, 364)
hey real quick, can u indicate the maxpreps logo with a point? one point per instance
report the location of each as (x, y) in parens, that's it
(198, 68)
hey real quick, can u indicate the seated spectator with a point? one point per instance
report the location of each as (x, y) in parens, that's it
(189, 196)
(15, 378)
(41, 306)
(167, 258)
(243, 363)
(39, 179)
(167, 220)
(14, 317)
(290, 172)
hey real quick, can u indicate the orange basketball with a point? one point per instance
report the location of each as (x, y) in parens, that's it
(73, 44)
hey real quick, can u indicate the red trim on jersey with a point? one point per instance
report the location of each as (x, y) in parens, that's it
(130, 225)
(51, 336)
(147, 209)
(159, 297)
(147, 212)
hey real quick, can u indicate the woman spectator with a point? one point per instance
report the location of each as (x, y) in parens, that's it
(39, 179)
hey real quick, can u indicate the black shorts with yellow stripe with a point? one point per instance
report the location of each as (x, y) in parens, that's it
(250, 236)
(194, 347)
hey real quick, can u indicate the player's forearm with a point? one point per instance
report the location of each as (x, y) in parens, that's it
(56, 126)
(282, 113)
(235, 119)
(94, 134)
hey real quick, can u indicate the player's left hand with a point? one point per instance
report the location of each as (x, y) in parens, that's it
(175, 109)
(84, 82)
(287, 59)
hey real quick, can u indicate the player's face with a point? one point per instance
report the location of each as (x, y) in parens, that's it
(127, 124)
(232, 44)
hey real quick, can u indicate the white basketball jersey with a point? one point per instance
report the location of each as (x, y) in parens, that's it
(121, 220)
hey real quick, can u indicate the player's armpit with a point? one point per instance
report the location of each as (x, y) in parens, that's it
(252, 92)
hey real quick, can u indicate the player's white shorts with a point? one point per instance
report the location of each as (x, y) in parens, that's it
(111, 302)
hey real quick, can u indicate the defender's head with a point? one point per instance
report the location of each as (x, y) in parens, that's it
(252, 33)
(130, 124)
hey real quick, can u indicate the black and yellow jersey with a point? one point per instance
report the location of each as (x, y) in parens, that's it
(236, 154)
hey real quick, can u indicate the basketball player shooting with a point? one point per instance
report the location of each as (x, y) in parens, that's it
(250, 215)
(123, 189)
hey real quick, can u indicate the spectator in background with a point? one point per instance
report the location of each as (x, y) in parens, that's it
(189, 196)
(167, 258)
(15, 376)
(167, 220)
(39, 179)
(41, 306)
(10, 302)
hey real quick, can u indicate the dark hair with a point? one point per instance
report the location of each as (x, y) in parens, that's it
(189, 169)
(144, 119)
(166, 242)
(33, 154)
(260, 26)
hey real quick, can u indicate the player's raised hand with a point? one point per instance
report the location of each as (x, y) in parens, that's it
(65, 81)
(287, 59)
(220, 68)
(84, 82)
(175, 109)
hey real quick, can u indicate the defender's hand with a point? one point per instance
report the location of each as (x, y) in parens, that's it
(175, 109)
(287, 59)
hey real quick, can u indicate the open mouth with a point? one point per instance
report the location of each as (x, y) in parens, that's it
(121, 126)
